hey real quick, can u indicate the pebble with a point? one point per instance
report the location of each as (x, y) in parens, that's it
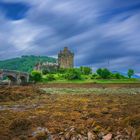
(67, 136)
(100, 135)
(107, 137)
(91, 136)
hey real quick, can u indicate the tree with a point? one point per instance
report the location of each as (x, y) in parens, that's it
(86, 70)
(103, 73)
(73, 74)
(99, 72)
(45, 71)
(94, 76)
(130, 73)
(36, 76)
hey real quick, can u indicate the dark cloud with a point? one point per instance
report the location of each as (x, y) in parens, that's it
(14, 11)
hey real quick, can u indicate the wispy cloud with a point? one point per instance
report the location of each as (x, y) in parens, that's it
(96, 31)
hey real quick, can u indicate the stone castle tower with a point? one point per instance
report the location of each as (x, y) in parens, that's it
(66, 58)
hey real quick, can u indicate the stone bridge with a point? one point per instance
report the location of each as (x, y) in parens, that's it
(15, 77)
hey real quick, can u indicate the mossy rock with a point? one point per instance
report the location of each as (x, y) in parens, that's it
(42, 136)
(133, 121)
(20, 125)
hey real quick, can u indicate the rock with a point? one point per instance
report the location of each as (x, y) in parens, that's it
(91, 136)
(100, 135)
(61, 133)
(90, 121)
(127, 137)
(97, 129)
(72, 129)
(41, 133)
(67, 136)
(80, 137)
(118, 137)
(55, 137)
(62, 138)
(107, 137)
(73, 138)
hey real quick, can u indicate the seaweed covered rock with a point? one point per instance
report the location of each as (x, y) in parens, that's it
(20, 125)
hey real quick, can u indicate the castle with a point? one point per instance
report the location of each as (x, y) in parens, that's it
(65, 60)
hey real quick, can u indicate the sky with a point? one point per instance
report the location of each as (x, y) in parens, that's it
(101, 33)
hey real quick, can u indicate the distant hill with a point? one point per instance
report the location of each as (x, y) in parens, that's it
(24, 63)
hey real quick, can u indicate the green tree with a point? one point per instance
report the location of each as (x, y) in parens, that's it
(130, 73)
(86, 70)
(36, 76)
(45, 71)
(115, 76)
(73, 74)
(99, 72)
(94, 76)
(103, 73)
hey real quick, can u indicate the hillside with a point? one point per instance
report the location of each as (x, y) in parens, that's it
(24, 63)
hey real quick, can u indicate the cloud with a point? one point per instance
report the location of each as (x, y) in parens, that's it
(15, 10)
(96, 31)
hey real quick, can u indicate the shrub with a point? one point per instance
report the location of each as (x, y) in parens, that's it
(86, 70)
(36, 76)
(103, 73)
(95, 76)
(85, 77)
(45, 71)
(59, 76)
(50, 77)
(130, 73)
(73, 74)
(62, 70)
(117, 76)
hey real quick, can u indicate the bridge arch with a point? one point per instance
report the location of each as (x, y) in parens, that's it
(10, 77)
(15, 77)
(23, 79)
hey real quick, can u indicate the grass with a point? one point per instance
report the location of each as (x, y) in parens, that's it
(99, 81)
(131, 91)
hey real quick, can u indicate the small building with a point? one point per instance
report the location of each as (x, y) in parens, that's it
(38, 66)
(50, 67)
(66, 58)
(46, 66)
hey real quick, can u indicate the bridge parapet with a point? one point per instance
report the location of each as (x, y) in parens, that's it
(13, 71)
